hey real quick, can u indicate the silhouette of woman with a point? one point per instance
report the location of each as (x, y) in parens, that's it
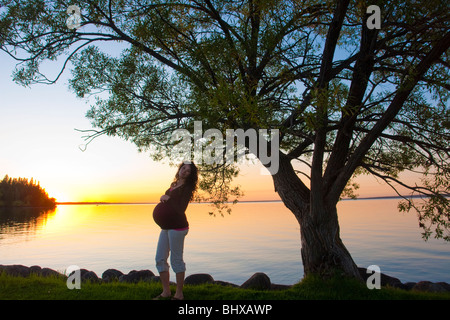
(170, 215)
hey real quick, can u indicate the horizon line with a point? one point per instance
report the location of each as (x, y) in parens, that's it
(208, 202)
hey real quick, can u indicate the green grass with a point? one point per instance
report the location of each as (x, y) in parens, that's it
(311, 288)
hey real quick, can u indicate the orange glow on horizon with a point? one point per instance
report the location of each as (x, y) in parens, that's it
(148, 187)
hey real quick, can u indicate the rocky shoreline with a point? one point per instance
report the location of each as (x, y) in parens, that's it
(259, 280)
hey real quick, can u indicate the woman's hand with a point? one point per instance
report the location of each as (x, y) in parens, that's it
(164, 198)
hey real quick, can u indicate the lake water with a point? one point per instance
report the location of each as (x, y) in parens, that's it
(256, 237)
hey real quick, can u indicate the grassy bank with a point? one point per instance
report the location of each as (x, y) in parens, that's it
(52, 288)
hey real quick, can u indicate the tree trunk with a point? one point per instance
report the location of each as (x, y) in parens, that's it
(322, 249)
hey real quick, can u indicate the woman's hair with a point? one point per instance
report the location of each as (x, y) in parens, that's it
(191, 181)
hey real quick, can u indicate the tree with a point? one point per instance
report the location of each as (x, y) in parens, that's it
(23, 193)
(347, 98)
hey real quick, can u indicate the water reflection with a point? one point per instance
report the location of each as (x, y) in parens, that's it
(23, 220)
(256, 237)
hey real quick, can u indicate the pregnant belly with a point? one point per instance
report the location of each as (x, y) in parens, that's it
(167, 218)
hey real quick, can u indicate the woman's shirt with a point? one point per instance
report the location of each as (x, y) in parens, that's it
(171, 213)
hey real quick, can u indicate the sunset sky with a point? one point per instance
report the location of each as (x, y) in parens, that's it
(38, 140)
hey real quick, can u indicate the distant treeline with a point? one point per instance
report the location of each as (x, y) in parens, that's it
(19, 192)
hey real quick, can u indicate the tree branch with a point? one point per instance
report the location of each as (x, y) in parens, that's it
(397, 103)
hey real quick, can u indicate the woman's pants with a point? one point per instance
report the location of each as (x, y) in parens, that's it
(171, 241)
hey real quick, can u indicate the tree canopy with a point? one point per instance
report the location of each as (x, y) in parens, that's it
(19, 192)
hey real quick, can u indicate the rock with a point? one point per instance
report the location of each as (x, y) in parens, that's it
(259, 281)
(47, 272)
(23, 271)
(35, 270)
(444, 285)
(428, 286)
(409, 285)
(44, 272)
(199, 278)
(86, 275)
(89, 275)
(16, 270)
(111, 275)
(136, 276)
